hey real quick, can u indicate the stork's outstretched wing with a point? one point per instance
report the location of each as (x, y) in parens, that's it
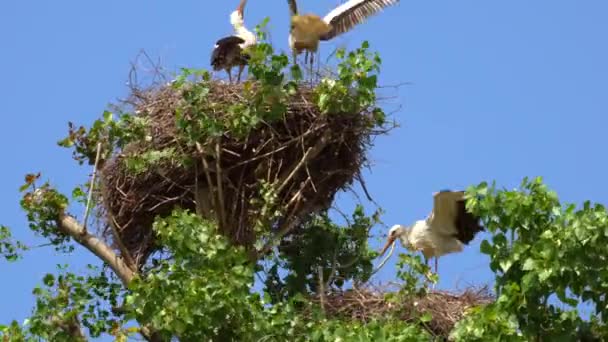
(351, 13)
(450, 216)
(445, 211)
(467, 224)
(293, 7)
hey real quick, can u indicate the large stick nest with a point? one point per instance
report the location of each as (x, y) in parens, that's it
(308, 157)
(446, 308)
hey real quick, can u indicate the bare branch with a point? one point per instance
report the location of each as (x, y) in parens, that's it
(321, 290)
(364, 187)
(214, 203)
(91, 187)
(311, 153)
(68, 225)
(220, 189)
(124, 251)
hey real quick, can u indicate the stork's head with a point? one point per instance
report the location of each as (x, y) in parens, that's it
(236, 18)
(396, 232)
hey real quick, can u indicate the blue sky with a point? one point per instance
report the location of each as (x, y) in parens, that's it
(497, 91)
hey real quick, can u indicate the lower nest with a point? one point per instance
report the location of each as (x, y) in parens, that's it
(306, 156)
(445, 308)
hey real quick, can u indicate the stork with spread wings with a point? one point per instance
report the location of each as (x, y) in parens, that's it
(446, 230)
(308, 29)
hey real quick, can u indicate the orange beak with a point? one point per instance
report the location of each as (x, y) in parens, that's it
(241, 7)
(389, 242)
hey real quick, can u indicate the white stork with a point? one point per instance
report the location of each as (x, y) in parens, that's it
(308, 29)
(228, 51)
(444, 231)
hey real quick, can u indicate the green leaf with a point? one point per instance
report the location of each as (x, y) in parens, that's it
(529, 265)
(426, 317)
(49, 280)
(486, 247)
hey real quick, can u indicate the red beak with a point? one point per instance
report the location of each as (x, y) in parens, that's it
(389, 242)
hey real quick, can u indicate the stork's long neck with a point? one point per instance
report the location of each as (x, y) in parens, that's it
(247, 35)
(236, 19)
(404, 237)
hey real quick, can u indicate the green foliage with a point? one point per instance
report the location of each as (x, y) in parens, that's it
(355, 87)
(141, 162)
(110, 132)
(66, 303)
(393, 331)
(411, 269)
(43, 206)
(203, 291)
(342, 252)
(539, 249)
(10, 249)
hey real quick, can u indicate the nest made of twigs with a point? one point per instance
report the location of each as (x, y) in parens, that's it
(446, 307)
(307, 155)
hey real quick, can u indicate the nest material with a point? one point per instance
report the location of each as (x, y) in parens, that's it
(446, 308)
(308, 157)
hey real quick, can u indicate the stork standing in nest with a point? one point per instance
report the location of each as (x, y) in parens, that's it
(446, 230)
(229, 51)
(308, 29)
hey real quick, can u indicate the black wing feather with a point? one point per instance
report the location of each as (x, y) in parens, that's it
(355, 15)
(467, 224)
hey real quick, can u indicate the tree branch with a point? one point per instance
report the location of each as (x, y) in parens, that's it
(68, 225)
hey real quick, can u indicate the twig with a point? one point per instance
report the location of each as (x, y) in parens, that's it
(334, 265)
(220, 188)
(364, 187)
(321, 287)
(124, 251)
(312, 152)
(199, 148)
(91, 186)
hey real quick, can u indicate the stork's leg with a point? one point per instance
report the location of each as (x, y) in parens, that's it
(312, 55)
(436, 270)
(294, 54)
(229, 71)
(241, 68)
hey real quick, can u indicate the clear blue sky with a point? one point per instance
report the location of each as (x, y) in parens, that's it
(499, 91)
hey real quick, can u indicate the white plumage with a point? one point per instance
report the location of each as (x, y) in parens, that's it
(444, 231)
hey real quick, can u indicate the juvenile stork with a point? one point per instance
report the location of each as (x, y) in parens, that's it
(444, 231)
(308, 29)
(229, 51)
